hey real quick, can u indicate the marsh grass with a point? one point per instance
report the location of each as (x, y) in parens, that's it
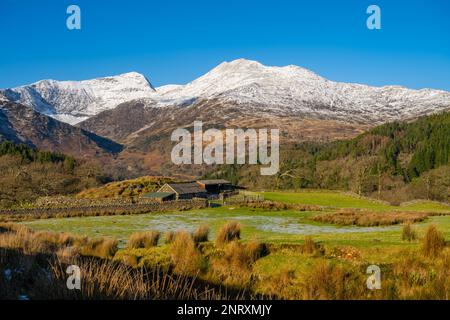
(185, 255)
(408, 232)
(229, 232)
(145, 239)
(201, 234)
(169, 236)
(433, 242)
(370, 219)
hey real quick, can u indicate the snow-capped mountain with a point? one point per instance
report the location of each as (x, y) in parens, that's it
(293, 90)
(75, 101)
(254, 88)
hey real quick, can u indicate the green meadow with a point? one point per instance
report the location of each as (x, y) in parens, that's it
(279, 227)
(337, 199)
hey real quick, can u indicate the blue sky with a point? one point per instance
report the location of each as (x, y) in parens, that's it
(176, 41)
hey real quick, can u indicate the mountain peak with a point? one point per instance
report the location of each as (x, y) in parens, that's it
(75, 101)
(251, 67)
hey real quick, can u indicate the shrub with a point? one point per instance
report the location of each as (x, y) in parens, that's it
(144, 239)
(408, 233)
(201, 234)
(229, 232)
(185, 255)
(433, 243)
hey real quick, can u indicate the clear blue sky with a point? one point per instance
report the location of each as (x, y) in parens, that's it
(175, 41)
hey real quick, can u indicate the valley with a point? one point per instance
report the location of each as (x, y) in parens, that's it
(86, 178)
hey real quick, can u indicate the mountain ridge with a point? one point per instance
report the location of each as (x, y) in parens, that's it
(284, 91)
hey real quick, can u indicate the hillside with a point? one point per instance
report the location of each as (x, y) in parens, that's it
(27, 174)
(22, 125)
(126, 188)
(397, 162)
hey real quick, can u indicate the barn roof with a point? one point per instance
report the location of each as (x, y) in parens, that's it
(157, 195)
(186, 187)
(214, 181)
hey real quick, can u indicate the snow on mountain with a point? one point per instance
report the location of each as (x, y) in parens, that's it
(75, 101)
(295, 90)
(256, 88)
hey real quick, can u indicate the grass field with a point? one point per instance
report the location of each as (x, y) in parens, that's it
(287, 226)
(341, 200)
(334, 269)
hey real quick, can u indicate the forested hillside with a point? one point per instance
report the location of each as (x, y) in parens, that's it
(395, 162)
(27, 173)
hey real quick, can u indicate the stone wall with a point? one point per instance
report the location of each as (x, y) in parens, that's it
(99, 210)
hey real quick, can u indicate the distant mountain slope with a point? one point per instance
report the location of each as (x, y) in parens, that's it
(74, 101)
(21, 124)
(397, 161)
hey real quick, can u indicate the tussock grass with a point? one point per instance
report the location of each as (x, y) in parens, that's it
(186, 258)
(229, 232)
(370, 219)
(201, 234)
(327, 281)
(408, 232)
(145, 239)
(433, 242)
(169, 236)
(102, 248)
(29, 241)
(309, 246)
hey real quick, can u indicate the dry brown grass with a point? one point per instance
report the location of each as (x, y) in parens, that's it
(29, 241)
(101, 279)
(37, 257)
(169, 236)
(370, 219)
(233, 265)
(309, 246)
(433, 242)
(326, 281)
(408, 232)
(101, 247)
(277, 205)
(201, 234)
(145, 239)
(186, 257)
(229, 232)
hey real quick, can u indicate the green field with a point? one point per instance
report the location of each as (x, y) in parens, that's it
(288, 226)
(341, 200)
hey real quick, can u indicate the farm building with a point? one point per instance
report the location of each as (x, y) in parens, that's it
(178, 191)
(192, 189)
(216, 186)
(160, 196)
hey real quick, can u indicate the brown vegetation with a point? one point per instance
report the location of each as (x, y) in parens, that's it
(126, 189)
(107, 210)
(145, 239)
(201, 234)
(186, 257)
(408, 232)
(370, 219)
(229, 232)
(433, 242)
